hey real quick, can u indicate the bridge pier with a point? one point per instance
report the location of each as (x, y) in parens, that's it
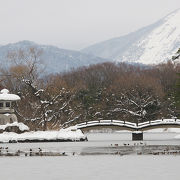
(137, 136)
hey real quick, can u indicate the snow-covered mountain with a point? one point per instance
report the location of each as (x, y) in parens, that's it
(150, 45)
(55, 59)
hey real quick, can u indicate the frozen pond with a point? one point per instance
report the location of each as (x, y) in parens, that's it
(89, 167)
(97, 140)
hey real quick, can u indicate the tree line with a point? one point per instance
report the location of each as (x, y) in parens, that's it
(102, 91)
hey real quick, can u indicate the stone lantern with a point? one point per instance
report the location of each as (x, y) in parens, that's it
(6, 111)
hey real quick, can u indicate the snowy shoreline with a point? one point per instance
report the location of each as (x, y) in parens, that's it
(43, 136)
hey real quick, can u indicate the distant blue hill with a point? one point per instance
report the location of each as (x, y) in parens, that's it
(56, 60)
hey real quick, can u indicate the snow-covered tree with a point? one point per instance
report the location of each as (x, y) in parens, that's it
(177, 95)
(177, 56)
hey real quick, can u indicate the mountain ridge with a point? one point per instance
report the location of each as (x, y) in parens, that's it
(136, 47)
(56, 60)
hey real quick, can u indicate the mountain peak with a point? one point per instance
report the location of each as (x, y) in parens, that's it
(150, 45)
(172, 14)
(23, 43)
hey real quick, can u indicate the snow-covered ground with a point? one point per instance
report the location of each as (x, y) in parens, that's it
(63, 134)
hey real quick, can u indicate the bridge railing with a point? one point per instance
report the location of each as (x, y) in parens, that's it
(81, 124)
(129, 124)
(118, 121)
(156, 121)
(91, 122)
(103, 122)
(144, 123)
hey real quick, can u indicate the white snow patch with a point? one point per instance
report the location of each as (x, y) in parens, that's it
(153, 44)
(21, 126)
(7, 114)
(159, 44)
(69, 133)
(5, 96)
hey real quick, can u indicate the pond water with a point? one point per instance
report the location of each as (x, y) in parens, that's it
(91, 167)
(97, 140)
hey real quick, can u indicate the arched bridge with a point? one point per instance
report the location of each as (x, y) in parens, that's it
(125, 125)
(137, 128)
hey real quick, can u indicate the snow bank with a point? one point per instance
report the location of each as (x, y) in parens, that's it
(22, 127)
(64, 134)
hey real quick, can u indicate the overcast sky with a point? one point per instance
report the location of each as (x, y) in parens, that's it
(75, 24)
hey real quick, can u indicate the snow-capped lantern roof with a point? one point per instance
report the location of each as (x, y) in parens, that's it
(6, 96)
